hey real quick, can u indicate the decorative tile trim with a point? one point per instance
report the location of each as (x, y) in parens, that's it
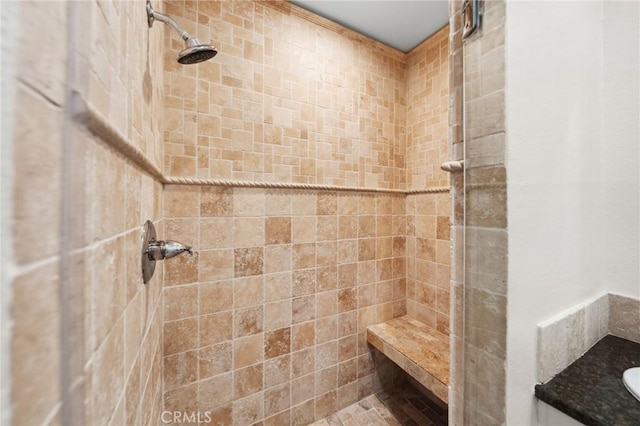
(566, 337)
(99, 126)
(286, 185)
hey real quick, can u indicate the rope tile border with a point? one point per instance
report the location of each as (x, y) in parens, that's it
(101, 128)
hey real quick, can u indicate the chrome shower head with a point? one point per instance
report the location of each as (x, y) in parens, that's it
(194, 51)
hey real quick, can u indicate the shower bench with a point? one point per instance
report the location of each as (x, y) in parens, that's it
(420, 350)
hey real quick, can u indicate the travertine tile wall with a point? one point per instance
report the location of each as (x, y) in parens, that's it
(123, 84)
(35, 347)
(84, 278)
(428, 215)
(427, 133)
(266, 322)
(428, 259)
(114, 349)
(479, 236)
(287, 100)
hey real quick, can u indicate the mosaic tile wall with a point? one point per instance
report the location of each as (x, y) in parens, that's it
(286, 100)
(428, 215)
(427, 138)
(284, 283)
(296, 276)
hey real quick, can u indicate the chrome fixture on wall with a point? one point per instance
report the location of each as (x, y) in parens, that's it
(194, 51)
(153, 250)
(470, 17)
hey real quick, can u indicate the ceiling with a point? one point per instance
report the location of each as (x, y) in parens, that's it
(400, 24)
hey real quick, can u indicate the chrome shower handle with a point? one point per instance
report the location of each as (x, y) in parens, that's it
(153, 250)
(160, 250)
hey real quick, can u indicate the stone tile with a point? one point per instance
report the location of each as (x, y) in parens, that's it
(248, 291)
(180, 369)
(35, 345)
(277, 371)
(216, 233)
(487, 197)
(248, 350)
(216, 201)
(624, 317)
(248, 410)
(552, 349)
(277, 342)
(596, 320)
(248, 261)
(215, 265)
(248, 321)
(181, 201)
(37, 162)
(214, 328)
(277, 399)
(215, 391)
(180, 336)
(181, 302)
(247, 381)
(215, 297)
(215, 359)
(277, 230)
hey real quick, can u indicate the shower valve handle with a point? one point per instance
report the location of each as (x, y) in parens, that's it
(160, 250)
(153, 250)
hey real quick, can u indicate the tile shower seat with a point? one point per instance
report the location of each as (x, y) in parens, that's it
(420, 350)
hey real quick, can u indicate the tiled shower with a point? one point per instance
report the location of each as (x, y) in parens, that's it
(302, 164)
(267, 321)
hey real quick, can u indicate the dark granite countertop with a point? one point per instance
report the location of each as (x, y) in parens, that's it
(591, 390)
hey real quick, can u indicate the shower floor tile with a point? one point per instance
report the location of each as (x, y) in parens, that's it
(403, 405)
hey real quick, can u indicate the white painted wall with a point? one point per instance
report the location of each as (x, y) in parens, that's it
(620, 149)
(573, 222)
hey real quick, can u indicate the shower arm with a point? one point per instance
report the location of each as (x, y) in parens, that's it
(152, 15)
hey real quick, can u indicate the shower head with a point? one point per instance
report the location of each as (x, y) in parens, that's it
(194, 51)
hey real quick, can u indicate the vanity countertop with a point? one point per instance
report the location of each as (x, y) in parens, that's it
(591, 390)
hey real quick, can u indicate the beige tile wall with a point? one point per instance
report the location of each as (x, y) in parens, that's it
(123, 83)
(428, 215)
(278, 270)
(429, 259)
(428, 112)
(286, 100)
(112, 346)
(37, 115)
(35, 311)
(123, 317)
(480, 235)
(267, 320)
(296, 276)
